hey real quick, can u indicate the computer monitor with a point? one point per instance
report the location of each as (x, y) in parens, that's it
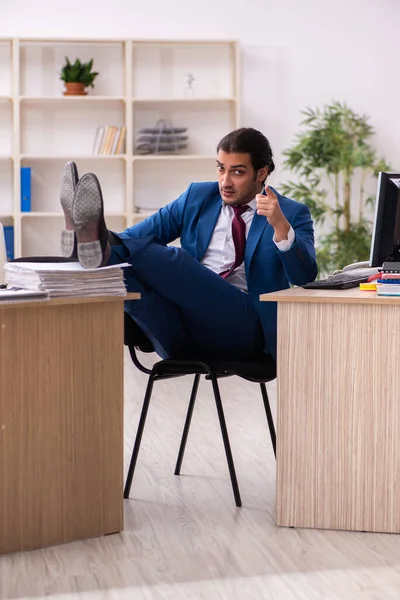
(385, 244)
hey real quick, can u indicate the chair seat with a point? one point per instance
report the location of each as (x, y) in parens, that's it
(260, 369)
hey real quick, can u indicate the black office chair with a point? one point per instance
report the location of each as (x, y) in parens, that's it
(259, 371)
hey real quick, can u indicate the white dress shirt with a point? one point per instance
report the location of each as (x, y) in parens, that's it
(220, 254)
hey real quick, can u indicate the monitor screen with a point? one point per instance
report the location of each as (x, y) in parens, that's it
(385, 242)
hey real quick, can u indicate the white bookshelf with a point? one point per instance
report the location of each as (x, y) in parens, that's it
(140, 81)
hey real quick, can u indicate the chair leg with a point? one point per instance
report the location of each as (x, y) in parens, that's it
(225, 438)
(269, 416)
(138, 438)
(187, 424)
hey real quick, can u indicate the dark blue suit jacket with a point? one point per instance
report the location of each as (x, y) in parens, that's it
(192, 218)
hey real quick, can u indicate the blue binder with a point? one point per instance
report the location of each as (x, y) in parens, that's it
(9, 239)
(25, 189)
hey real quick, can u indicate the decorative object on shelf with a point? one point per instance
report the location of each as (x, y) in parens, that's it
(77, 77)
(335, 150)
(189, 89)
(109, 139)
(161, 139)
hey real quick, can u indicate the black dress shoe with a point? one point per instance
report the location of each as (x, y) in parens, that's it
(69, 181)
(88, 221)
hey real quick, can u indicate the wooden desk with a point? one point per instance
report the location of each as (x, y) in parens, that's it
(338, 449)
(61, 420)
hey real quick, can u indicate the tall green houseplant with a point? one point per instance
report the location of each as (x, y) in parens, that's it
(333, 159)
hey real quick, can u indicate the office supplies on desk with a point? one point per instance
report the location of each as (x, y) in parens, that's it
(11, 295)
(391, 267)
(343, 280)
(368, 287)
(388, 283)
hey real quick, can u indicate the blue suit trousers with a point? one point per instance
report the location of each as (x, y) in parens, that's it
(186, 310)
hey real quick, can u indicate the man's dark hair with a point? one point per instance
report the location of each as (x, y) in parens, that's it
(249, 141)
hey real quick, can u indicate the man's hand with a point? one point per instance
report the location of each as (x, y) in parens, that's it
(268, 206)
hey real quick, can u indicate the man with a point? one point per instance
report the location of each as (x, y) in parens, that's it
(239, 239)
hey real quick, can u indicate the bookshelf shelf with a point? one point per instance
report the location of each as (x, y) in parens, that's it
(171, 157)
(35, 215)
(70, 42)
(198, 100)
(140, 81)
(70, 99)
(67, 157)
(143, 214)
(38, 214)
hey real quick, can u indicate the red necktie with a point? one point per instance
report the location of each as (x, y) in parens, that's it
(239, 238)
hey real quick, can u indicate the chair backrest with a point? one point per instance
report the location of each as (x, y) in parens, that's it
(135, 338)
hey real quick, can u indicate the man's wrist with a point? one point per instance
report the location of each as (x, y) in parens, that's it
(281, 232)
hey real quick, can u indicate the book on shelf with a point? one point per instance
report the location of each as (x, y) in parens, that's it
(120, 149)
(9, 239)
(26, 189)
(109, 139)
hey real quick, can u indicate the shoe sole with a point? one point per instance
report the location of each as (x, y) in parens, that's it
(69, 180)
(67, 243)
(87, 212)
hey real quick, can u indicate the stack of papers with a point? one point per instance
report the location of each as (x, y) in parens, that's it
(66, 279)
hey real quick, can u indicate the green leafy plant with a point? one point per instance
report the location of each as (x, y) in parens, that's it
(78, 72)
(333, 159)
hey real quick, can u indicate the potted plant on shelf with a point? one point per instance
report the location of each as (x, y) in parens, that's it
(77, 77)
(333, 160)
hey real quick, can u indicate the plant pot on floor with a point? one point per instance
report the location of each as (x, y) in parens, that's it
(74, 89)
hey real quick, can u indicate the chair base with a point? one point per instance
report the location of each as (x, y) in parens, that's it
(166, 369)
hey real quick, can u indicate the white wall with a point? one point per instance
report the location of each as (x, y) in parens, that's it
(294, 53)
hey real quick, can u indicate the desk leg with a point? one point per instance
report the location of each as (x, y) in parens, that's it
(61, 424)
(338, 451)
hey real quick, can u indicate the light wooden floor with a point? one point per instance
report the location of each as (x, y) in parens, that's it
(184, 538)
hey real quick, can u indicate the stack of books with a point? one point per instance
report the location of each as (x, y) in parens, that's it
(388, 283)
(65, 279)
(109, 139)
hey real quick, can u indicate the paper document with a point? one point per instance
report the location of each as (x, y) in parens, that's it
(73, 267)
(66, 279)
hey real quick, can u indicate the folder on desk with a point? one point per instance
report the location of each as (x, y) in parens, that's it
(12, 295)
